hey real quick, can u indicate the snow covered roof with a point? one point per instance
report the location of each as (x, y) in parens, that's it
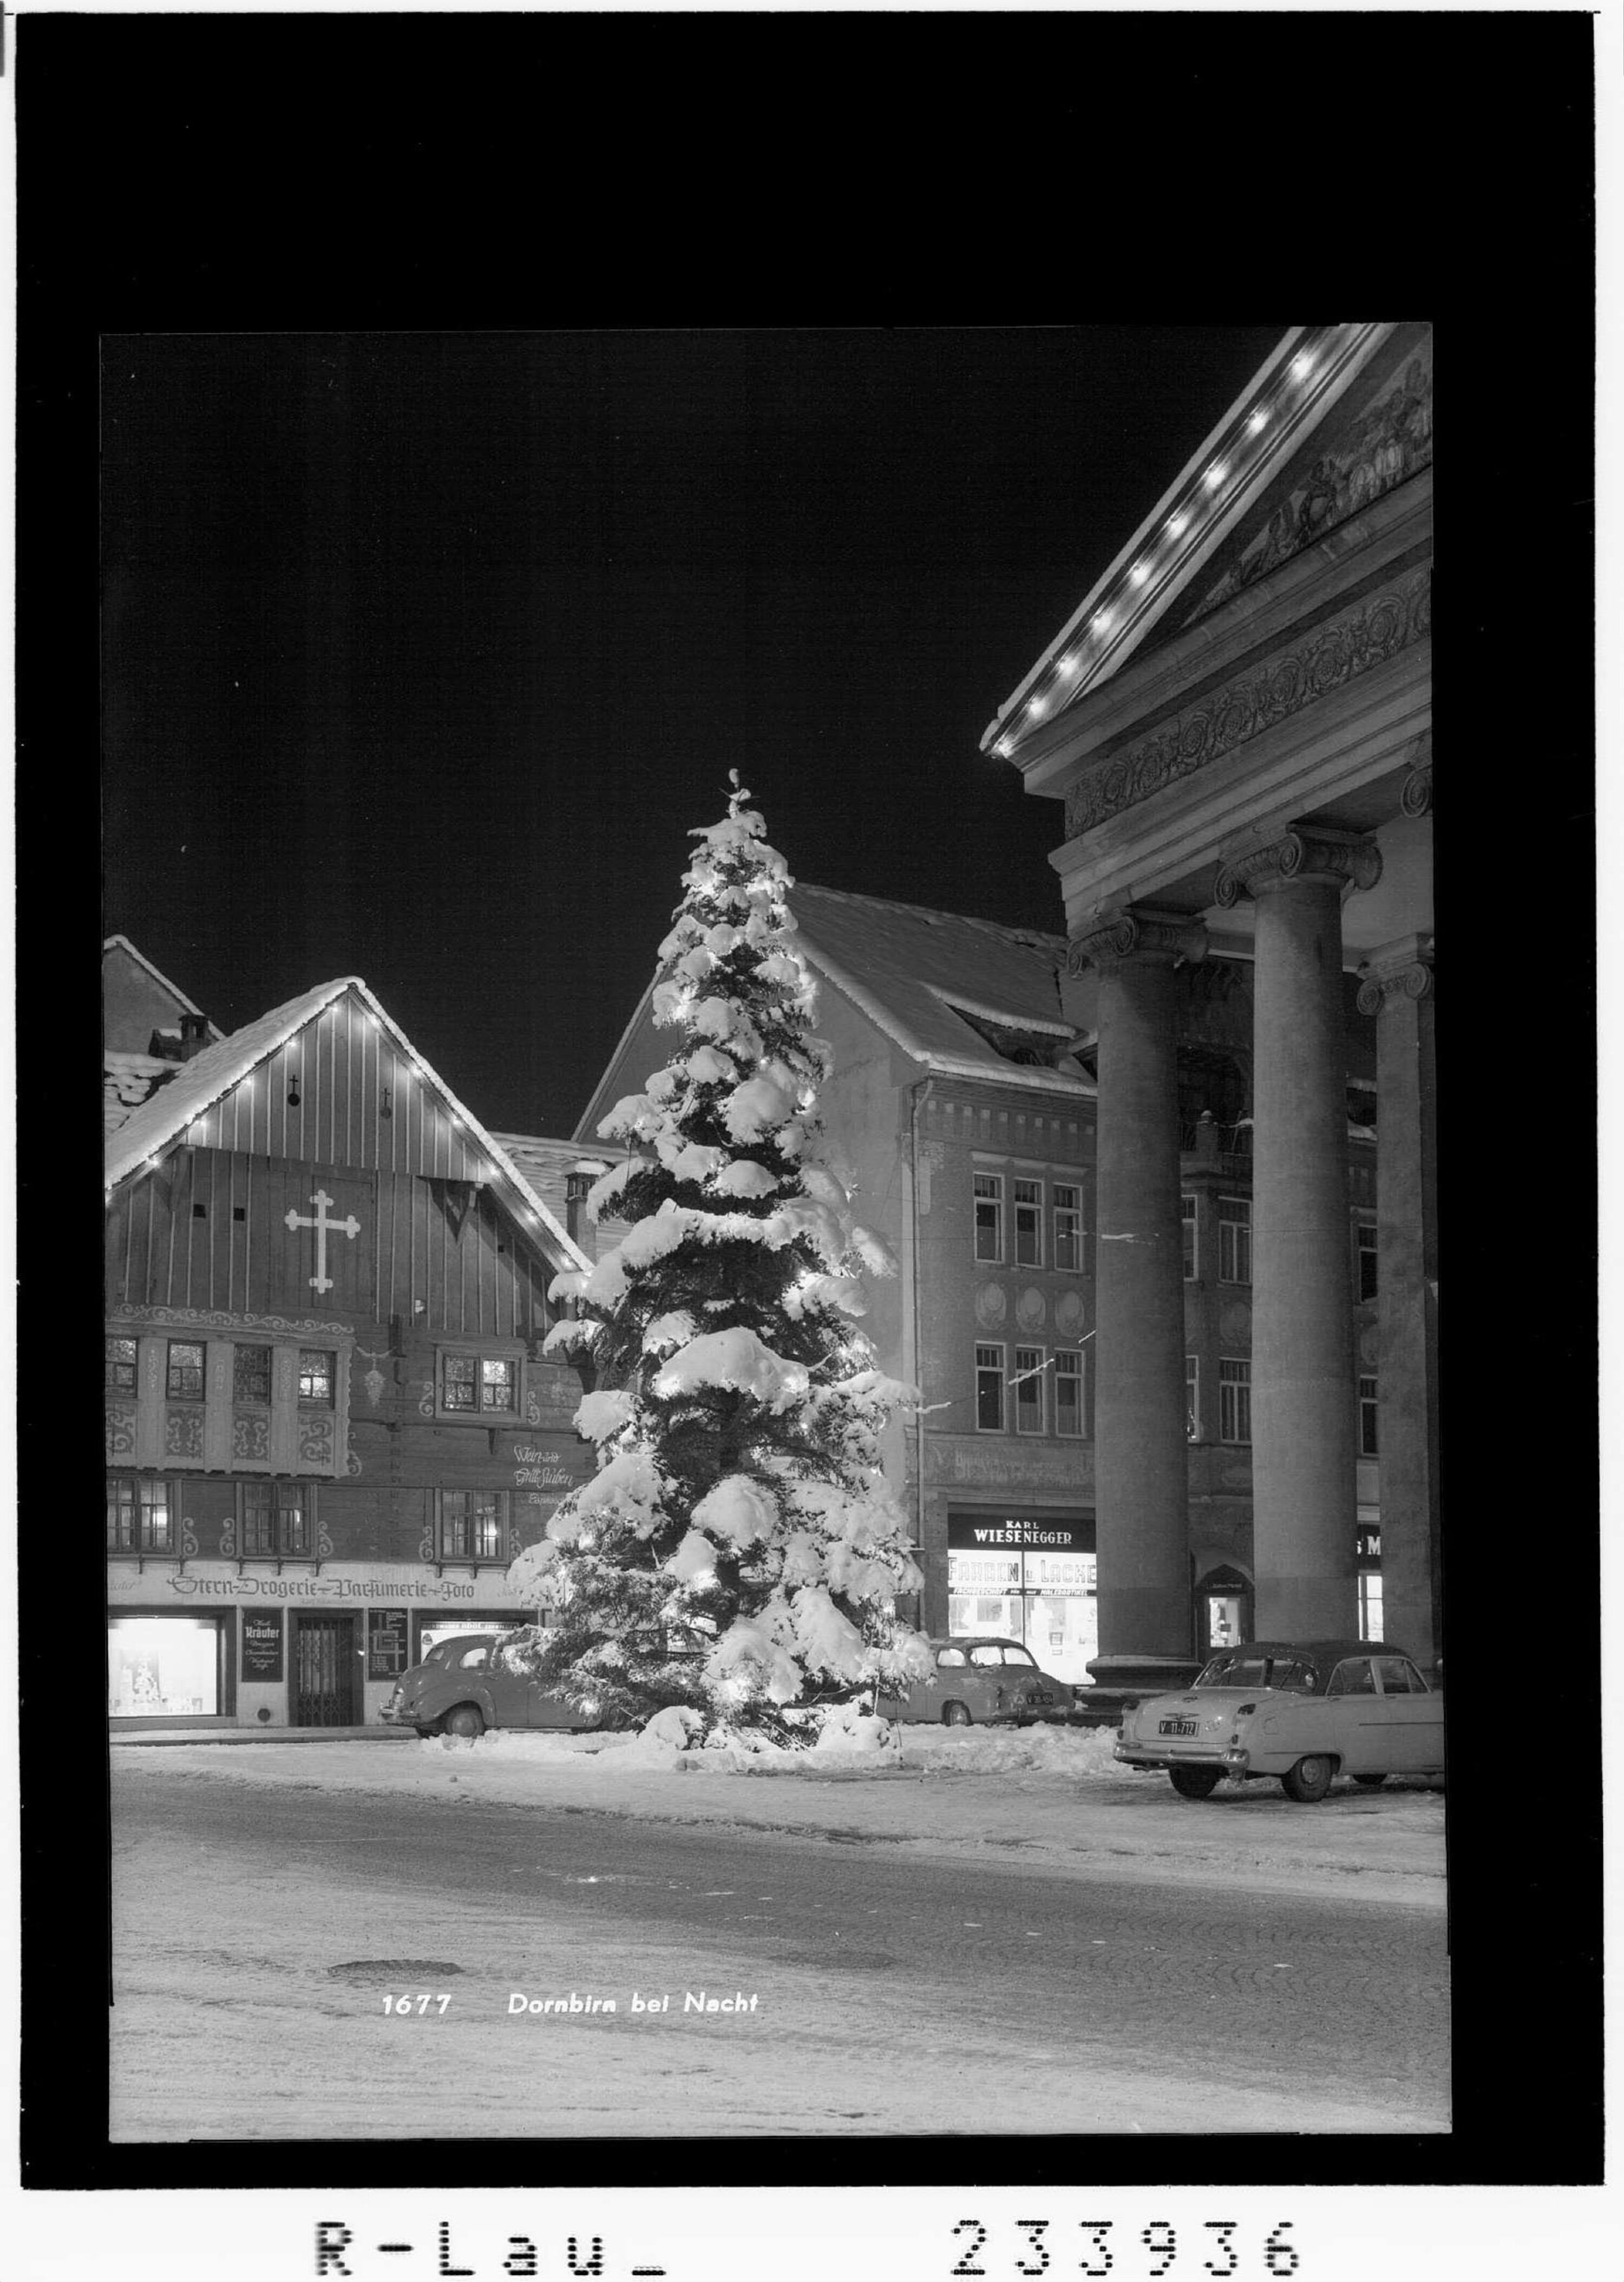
(127, 1080)
(162, 1119)
(122, 942)
(936, 982)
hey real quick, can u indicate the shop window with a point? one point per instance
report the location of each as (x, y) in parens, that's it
(315, 1377)
(1068, 1200)
(251, 1375)
(185, 1376)
(1069, 1394)
(473, 1524)
(1370, 1604)
(1029, 1390)
(138, 1517)
(1192, 1398)
(472, 1384)
(162, 1667)
(989, 1390)
(386, 1643)
(121, 1357)
(1234, 1240)
(1234, 1400)
(1367, 1418)
(1367, 1260)
(275, 1520)
(989, 1216)
(1186, 1206)
(1028, 1224)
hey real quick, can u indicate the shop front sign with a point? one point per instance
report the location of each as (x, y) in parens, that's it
(199, 1582)
(263, 1645)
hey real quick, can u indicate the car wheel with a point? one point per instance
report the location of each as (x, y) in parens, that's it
(1371, 1783)
(955, 1715)
(464, 1720)
(1309, 1779)
(1195, 1782)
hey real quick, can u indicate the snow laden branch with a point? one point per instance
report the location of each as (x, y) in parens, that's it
(736, 1560)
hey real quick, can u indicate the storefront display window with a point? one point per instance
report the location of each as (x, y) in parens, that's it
(164, 1667)
(1028, 1579)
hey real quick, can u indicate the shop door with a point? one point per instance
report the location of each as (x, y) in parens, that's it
(324, 1672)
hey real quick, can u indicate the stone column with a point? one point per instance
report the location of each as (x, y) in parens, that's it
(1397, 987)
(1303, 1485)
(1142, 1500)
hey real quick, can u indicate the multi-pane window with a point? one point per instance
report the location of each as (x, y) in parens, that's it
(120, 1366)
(473, 1524)
(316, 1376)
(138, 1515)
(1367, 1260)
(1234, 1240)
(275, 1520)
(1367, 1417)
(251, 1375)
(475, 1382)
(989, 1389)
(1068, 1225)
(1192, 1398)
(1068, 1392)
(185, 1378)
(1029, 1388)
(1234, 1401)
(989, 1216)
(1028, 1224)
(1186, 1206)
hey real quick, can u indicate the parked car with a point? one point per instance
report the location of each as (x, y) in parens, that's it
(459, 1689)
(1305, 1710)
(981, 1680)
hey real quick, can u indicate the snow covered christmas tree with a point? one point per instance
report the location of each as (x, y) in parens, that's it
(738, 1551)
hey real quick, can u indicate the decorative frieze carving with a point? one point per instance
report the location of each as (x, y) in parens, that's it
(1140, 933)
(1338, 652)
(1298, 855)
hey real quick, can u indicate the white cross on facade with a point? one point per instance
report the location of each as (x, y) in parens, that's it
(324, 1227)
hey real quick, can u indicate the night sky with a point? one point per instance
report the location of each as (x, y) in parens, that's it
(424, 651)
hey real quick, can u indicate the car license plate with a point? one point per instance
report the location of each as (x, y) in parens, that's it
(1177, 1727)
(1038, 1696)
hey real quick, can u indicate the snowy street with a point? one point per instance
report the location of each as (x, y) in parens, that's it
(1006, 1932)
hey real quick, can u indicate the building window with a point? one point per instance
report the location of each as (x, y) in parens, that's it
(138, 1515)
(251, 1375)
(1367, 1418)
(989, 1216)
(1186, 1206)
(1367, 1260)
(275, 1520)
(1069, 1394)
(1234, 1240)
(989, 1390)
(472, 1383)
(1068, 1225)
(1028, 1224)
(316, 1376)
(473, 1524)
(185, 1379)
(1192, 1398)
(1370, 1604)
(120, 1366)
(1029, 1391)
(1234, 1401)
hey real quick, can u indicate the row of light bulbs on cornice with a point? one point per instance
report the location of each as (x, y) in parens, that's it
(482, 1169)
(1104, 620)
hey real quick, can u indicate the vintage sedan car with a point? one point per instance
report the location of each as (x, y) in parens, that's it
(460, 1689)
(1305, 1710)
(980, 1681)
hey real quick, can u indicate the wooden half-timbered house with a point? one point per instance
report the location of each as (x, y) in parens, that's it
(329, 1424)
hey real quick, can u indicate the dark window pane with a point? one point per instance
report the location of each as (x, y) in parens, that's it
(460, 1382)
(251, 1375)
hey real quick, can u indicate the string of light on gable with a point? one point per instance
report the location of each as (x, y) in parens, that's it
(1203, 500)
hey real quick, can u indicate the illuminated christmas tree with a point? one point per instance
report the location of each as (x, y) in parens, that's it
(738, 1552)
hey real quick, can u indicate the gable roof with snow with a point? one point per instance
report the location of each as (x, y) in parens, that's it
(143, 979)
(211, 1099)
(1334, 417)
